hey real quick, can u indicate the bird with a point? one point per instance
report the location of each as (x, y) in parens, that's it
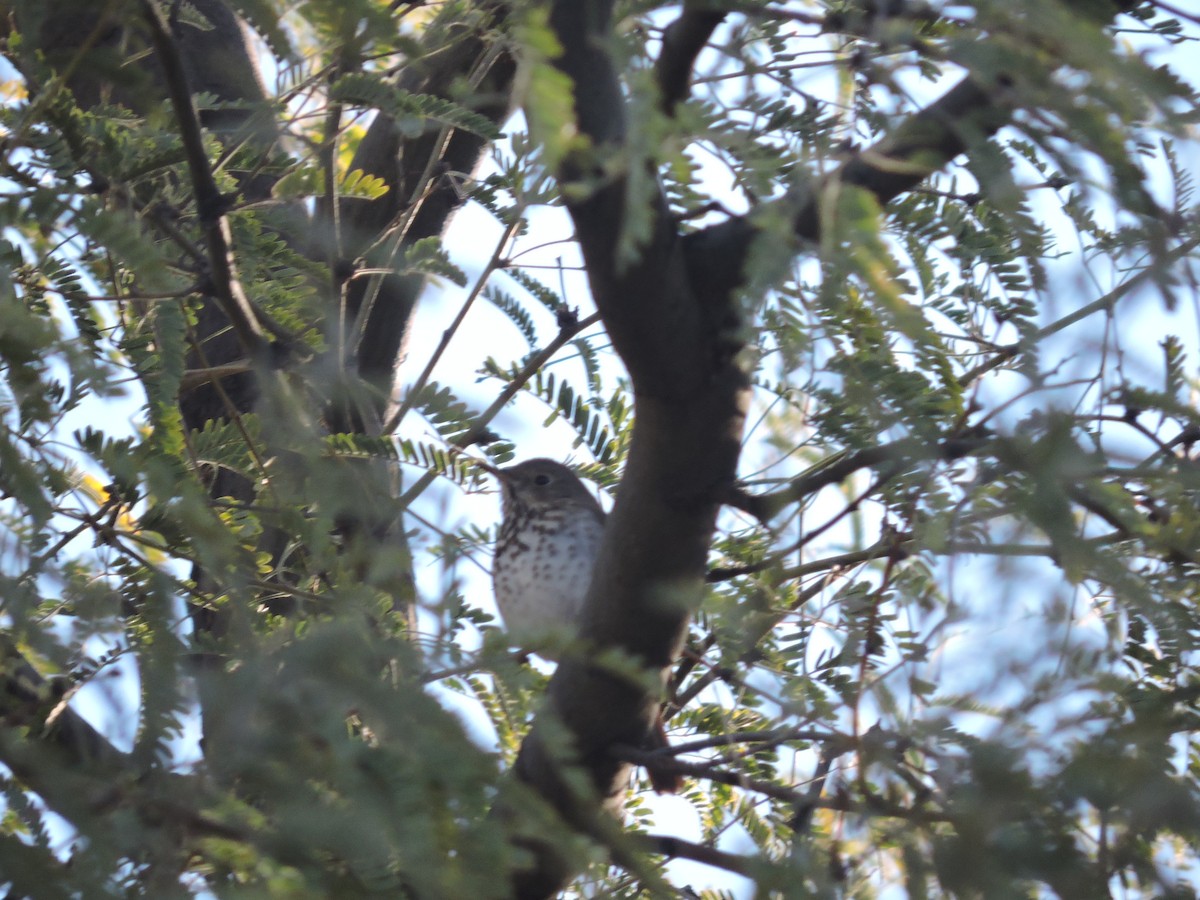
(546, 549)
(550, 533)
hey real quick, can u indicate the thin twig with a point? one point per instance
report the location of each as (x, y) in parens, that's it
(193, 378)
(479, 428)
(680, 701)
(708, 772)
(415, 389)
(872, 804)
(772, 736)
(398, 235)
(1101, 304)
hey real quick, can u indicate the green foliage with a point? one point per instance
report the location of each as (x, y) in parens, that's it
(547, 101)
(309, 181)
(411, 111)
(264, 17)
(588, 418)
(949, 644)
(426, 257)
(449, 415)
(515, 311)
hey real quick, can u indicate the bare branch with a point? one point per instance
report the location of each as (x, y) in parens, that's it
(682, 42)
(774, 736)
(677, 848)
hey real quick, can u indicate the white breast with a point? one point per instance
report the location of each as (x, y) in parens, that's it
(541, 584)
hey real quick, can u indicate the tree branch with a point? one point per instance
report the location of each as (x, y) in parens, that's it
(926, 142)
(682, 42)
(901, 453)
(1104, 303)
(773, 736)
(689, 407)
(210, 204)
(29, 700)
(677, 848)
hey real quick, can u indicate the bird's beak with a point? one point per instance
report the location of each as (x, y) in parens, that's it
(490, 469)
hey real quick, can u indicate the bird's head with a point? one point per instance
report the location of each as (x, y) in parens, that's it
(541, 484)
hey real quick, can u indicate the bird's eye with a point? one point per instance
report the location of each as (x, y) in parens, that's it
(542, 479)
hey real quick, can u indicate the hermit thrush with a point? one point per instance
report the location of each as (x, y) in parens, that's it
(545, 553)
